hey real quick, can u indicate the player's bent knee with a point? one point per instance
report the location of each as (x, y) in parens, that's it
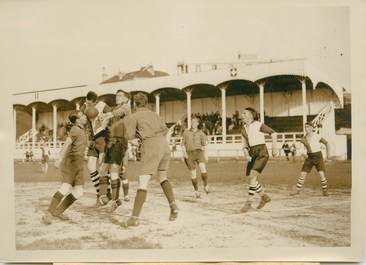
(163, 176)
(103, 171)
(125, 181)
(78, 191)
(144, 181)
(92, 164)
(202, 167)
(65, 188)
(114, 175)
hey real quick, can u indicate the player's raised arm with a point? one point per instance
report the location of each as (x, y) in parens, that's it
(266, 129)
(327, 146)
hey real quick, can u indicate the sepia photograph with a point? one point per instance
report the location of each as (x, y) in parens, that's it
(173, 125)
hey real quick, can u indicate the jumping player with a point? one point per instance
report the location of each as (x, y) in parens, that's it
(71, 164)
(97, 138)
(155, 155)
(312, 142)
(194, 141)
(254, 143)
(115, 152)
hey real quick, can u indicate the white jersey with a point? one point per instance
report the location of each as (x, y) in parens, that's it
(313, 142)
(96, 122)
(255, 131)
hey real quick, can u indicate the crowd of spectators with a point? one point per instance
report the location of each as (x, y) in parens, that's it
(211, 124)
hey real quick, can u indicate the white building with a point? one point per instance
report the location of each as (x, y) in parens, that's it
(286, 91)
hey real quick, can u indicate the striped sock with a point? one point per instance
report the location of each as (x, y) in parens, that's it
(94, 176)
(324, 183)
(251, 192)
(259, 189)
(300, 182)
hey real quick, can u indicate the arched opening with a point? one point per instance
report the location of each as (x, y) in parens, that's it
(173, 105)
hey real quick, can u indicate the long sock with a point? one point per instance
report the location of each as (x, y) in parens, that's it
(259, 189)
(251, 192)
(94, 176)
(109, 189)
(168, 191)
(323, 182)
(56, 199)
(195, 184)
(125, 187)
(125, 184)
(204, 178)
(103, 185)
(116, 185)
(139, 202)
(66, 203)
(300, 182)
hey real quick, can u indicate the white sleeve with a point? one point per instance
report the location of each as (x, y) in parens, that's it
(100, 106)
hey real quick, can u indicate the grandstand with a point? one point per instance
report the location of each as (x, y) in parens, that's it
(286, 93)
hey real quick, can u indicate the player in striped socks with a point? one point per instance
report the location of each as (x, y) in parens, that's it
(254, 143)
(314, 157)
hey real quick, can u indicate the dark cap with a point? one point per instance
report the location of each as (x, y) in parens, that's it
(73, 117)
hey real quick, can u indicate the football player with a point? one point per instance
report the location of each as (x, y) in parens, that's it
(71, 164)
(194, 141)
(115, 151)
(314, 157)
(155, 155)
(255, 147)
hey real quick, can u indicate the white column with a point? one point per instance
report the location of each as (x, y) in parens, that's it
(189, 108)
(261, 100)
(33, 125)
(304, 108)
(77, 106)
(223, 113)
(157, 103)
(54, 121)
(15, 124)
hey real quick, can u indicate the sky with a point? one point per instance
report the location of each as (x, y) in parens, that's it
(51, 44)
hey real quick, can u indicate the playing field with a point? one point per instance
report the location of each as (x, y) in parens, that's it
(214, 220)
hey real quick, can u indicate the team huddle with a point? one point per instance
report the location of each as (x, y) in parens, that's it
(107, 132)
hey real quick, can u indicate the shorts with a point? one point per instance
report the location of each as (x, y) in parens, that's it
(45, 158)
(194, 157)
(72, 170)
(314, 159)
(115, 152)
(260, 156)
(155, 156)
(99, 144)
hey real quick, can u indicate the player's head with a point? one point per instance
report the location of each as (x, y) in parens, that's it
(77, 117)
(122, 97)
(249, 115)
(195, 123)
(140, 100)
(309, 127)
(91, 97)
